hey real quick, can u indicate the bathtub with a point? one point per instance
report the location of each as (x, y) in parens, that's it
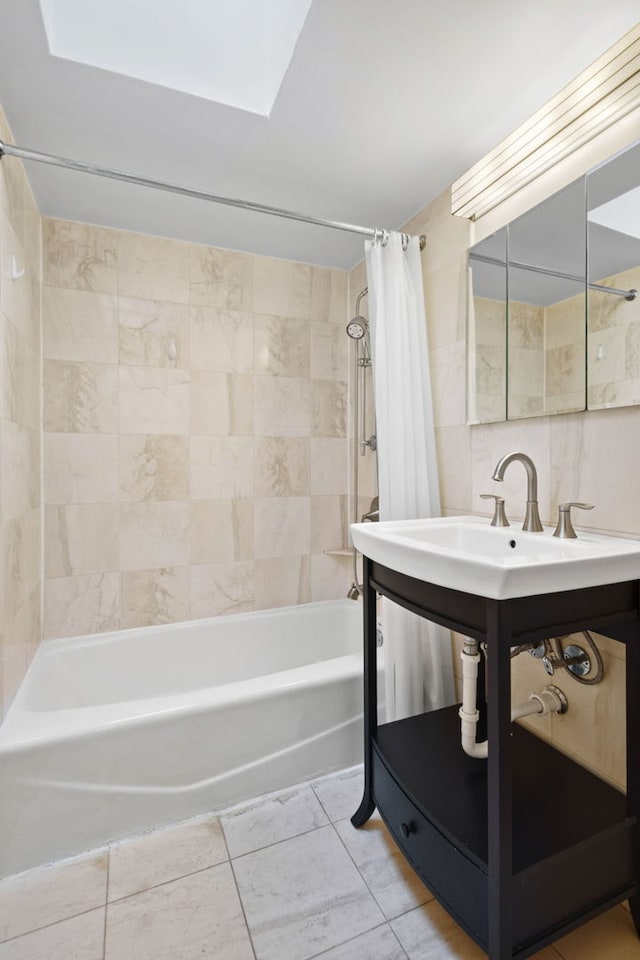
(116, 733)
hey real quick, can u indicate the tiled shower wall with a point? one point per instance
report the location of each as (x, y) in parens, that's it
(20, 431)
(195, 456)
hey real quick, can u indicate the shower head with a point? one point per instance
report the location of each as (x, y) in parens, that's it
(357, 328)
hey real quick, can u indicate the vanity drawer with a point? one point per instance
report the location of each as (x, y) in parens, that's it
(454, 879)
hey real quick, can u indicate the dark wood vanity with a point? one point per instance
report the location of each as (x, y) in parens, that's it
(525, 846)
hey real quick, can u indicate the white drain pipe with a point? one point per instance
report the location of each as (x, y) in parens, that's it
(549, 700)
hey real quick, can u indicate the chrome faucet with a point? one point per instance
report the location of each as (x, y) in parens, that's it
(532, 516)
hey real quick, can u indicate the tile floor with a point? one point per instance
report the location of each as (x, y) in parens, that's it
(283, 877)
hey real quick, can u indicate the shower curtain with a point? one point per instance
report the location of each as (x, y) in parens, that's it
(417, 653)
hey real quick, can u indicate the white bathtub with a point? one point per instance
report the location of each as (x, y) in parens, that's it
(117, 733)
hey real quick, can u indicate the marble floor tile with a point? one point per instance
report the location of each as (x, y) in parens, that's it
(429, 933)
(192, 918)
(46, 895)
(340, 793)
(270, 819)
(393, 883)
(146, 861)
(303, 896)
(78, 938)
(611, 936)
(378, 944)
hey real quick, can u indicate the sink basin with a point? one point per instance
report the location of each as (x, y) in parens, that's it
(468, 554)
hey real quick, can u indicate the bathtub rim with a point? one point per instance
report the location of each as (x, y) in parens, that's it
(23, 727)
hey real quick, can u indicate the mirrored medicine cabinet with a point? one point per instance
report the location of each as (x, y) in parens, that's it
(553, 310)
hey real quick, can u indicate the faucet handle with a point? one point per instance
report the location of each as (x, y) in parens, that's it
(564, 529)
(499, 516)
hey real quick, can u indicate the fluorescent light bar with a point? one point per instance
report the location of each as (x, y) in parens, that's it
(601, 95)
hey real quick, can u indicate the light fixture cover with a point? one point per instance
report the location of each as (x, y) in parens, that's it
(602, 94)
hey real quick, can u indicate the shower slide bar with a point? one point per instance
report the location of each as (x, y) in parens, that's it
(12, 150)
(616, 291)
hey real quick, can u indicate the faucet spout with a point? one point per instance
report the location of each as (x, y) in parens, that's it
(532, 516)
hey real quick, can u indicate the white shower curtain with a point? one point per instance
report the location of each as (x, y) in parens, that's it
(417, 654)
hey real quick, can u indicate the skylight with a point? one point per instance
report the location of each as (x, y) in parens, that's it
(235, 53)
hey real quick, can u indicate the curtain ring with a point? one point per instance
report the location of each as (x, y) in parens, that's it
(385, 238)
(405, 241)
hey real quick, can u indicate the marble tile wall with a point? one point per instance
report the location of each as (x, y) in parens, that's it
(593, 456)
(20, 426)
(613, 344)
(195, 416)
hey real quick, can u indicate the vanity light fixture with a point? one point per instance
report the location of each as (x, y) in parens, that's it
(598, 97)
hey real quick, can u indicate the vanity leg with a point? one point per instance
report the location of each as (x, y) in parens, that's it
(499, 780)
(367, 806)
(633, 755)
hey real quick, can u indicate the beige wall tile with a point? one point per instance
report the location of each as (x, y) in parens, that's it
(592, 461)
(329, 352)
(20, 379)
(282, 581)
(14, 294)
(449, 384)
(593, 729)
(221, 403)
(20, 428)
(281, 467)
(222, 588)
(446, 303)
(221, 530)
(79, 325)
(153, 334)
(454, 467)
(155, 596)
(220, 278)
(153, 467)
(328, 463)
(80, 397)
(78, 605)
(281, 288)
(153, 268)
(80, 468)
(78, 256)
(23, 632)
(329, 577)
(153, 534)
(282, 526)
(281, 346)
(329, 523)
(221, 468)
(329, 408)
(153, 400)
(221, 340)
(81, 539)
(20, 488)
(329, 293)
(21, 547)
(282, 407)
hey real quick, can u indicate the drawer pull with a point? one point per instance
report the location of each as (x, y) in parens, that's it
(407, 828)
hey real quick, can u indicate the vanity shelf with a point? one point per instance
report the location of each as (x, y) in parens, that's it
(524, 846)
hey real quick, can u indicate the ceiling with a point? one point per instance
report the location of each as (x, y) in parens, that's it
(383, 105)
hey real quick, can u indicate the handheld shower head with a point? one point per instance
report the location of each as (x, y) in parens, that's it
(357, 328)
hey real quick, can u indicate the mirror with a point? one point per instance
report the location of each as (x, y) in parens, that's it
(487, 326)
(537, 343)
(613, 216)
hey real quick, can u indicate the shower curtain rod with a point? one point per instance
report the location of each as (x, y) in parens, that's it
(616, 291)
(12, 150)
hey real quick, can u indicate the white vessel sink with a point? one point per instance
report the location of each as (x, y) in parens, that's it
(468, 554)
